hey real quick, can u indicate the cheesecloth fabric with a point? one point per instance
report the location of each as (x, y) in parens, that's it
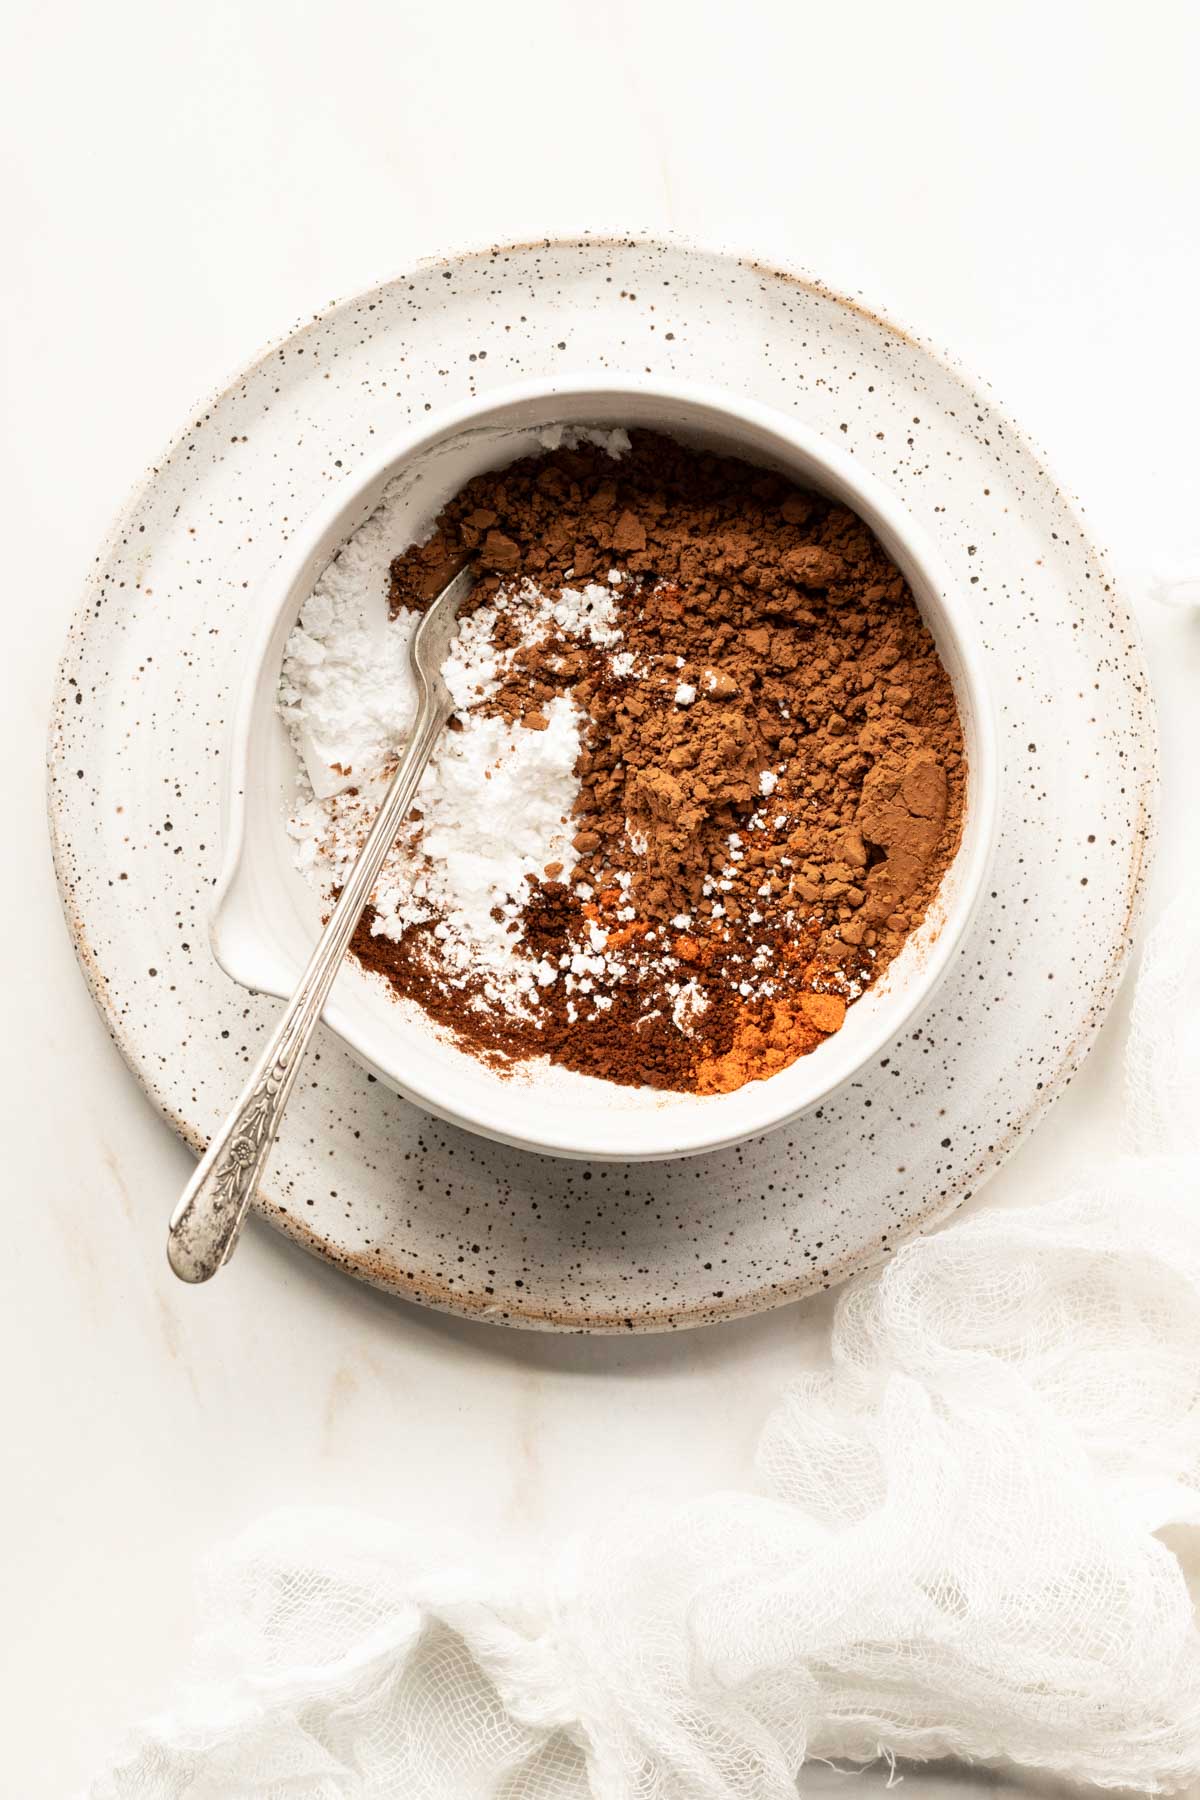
(954, 1547)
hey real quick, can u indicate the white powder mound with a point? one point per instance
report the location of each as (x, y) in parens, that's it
(591, 613)
(569, 437)
(495, 803)
(689, 1003)
(482, 837)
(345, 689)
(472, 669)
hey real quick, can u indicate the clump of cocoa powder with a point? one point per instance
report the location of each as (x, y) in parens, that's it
(772, 773)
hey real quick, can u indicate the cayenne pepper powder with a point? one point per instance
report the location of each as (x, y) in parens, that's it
(771, 778)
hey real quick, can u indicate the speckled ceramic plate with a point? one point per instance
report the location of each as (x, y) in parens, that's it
(361, 1176)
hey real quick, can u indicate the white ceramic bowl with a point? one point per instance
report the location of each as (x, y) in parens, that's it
(266, 918)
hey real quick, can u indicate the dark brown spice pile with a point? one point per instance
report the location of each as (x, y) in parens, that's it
(781, 768)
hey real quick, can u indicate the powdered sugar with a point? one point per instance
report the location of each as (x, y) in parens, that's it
(493, 807)
(688, 1004)
(590, 612)
(345, 691)
(568, 437)
(495, 804)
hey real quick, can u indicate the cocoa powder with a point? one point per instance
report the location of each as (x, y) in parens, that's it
(773, 789)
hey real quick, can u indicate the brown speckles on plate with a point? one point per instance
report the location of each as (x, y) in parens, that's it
(444, 1218)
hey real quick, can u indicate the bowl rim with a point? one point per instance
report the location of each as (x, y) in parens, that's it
(277, 591)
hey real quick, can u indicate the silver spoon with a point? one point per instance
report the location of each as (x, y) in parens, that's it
(205, 1225)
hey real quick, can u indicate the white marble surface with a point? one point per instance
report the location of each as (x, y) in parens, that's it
(185, 182)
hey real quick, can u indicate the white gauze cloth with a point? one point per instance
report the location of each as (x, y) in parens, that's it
(952, 1549)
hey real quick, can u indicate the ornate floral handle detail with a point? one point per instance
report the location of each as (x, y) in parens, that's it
(235, 1176)
(205, 1225)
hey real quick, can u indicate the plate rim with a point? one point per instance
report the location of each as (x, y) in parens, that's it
(430, 1290)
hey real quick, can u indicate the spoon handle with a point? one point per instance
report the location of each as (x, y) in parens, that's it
(205, 1224)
